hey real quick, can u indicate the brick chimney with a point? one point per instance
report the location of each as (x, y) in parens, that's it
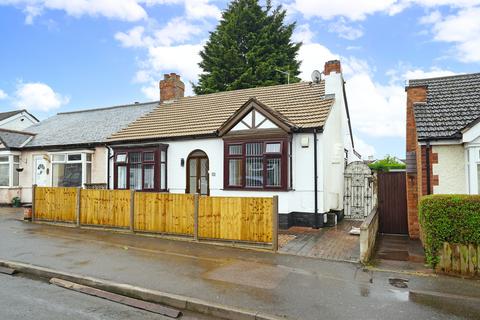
(332, 65)
(171, 87)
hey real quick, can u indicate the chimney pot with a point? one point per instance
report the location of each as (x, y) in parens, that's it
(332, 66)
(171, 87)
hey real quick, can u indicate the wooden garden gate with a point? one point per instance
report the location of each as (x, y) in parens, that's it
(359, 194)
(392, 203)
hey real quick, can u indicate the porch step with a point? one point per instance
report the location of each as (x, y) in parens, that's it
(397, 255)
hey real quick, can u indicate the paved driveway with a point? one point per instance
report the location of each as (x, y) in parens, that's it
(333, 243)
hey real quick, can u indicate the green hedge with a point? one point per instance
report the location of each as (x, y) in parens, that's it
(449, 218)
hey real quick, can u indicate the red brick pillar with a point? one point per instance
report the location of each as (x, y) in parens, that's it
(414, 179)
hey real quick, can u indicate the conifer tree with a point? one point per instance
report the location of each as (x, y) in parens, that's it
(247, 48)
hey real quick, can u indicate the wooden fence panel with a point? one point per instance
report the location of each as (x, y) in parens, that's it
(459, 259)
(55, 204)
(164, 213)
(110, 208)
(233, 218)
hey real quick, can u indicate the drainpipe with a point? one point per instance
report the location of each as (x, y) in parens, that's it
(109, 157)
(291, 163)
(427, 157)
(315, 177)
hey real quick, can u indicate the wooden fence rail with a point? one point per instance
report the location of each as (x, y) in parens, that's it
(252, 220)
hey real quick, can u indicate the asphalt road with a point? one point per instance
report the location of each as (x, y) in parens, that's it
(25, 299)
(284, 285)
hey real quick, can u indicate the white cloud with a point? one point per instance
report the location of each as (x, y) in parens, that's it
(182, 59)
(126, 10)
(376, 110)
(198, 9)
(133, 38)
(356, 10)
(363, 148)
(38, 96)
(3, 95)
(344, 30)
(303, 34)
(351, 9)
(461, 29)
(432, 73)
(313, 57)
(177, 30)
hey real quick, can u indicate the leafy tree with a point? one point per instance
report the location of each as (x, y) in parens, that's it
(247, 48)
(387, 164)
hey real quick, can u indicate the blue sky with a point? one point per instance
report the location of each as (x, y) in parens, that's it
(61, 55)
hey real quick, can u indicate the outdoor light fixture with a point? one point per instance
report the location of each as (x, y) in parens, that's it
(182, 162)
(305, 142)
(19, 169)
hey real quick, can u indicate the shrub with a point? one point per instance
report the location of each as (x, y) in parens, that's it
(449, 218)
(387, 164)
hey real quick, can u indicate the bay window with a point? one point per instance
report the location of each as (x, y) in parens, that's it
(71, 169)
(257, 164)
(9, 163)
(141, 169)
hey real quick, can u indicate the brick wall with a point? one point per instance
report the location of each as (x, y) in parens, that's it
(414, 181)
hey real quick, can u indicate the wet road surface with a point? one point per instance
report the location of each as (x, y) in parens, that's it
(25, 299)
(296, 287)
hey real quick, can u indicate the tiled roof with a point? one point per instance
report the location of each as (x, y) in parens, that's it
(14, 139)
(452, 103)
(86, 126)
(301, 104)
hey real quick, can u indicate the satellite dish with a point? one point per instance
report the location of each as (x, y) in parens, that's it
(316, 76)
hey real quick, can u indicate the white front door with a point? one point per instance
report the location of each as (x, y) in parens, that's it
(41, 171)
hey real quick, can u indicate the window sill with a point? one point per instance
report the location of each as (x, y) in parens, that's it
(6, 187)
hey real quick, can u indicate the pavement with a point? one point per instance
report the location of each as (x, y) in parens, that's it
(32, 299)
(288, 286)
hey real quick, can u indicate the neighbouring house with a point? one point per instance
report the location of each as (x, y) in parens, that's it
(288, 140)
(66, 150)
(12, 140)
(443, 139)
(17, 120)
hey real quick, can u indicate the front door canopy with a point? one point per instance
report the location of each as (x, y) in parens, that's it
(255, 115)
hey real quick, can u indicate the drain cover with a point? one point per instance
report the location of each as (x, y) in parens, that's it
(398, 282)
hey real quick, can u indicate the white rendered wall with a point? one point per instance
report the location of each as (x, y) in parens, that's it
(335, 135)
(450, 169)
(299, 199)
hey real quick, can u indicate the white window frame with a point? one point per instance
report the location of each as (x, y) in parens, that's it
(11, 167)
(472, 155)
(84, 161)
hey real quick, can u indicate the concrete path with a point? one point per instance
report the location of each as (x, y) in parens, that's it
(283, 285)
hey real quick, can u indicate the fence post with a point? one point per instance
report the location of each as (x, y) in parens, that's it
(195, 216)
(77, 211)
(275, 224)
(33, 201)
(132, 210)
